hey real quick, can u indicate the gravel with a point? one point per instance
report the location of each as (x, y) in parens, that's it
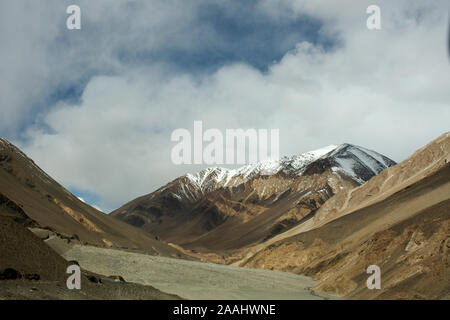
(192, 279)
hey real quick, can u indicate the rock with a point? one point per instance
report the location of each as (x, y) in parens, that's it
(10, 274)
(32, 276)
(94, 279)
(71, 262)
(117, 278)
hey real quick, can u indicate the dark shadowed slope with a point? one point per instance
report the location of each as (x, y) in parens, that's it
(29, 269)
(21, 250)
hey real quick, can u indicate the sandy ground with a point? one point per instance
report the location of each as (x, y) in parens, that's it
(194, 280)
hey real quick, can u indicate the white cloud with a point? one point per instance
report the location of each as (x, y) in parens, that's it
(386, 90)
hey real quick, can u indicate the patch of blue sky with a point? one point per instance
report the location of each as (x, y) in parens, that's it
(87, 197)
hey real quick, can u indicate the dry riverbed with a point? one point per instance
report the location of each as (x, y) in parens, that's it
(192, 279)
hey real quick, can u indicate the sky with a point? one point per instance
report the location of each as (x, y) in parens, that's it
(95, 108)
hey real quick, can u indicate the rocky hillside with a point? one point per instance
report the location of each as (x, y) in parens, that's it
(399, 220)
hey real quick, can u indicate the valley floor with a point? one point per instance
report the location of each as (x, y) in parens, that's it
(192, 279)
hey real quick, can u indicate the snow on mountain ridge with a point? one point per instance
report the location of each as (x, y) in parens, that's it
(354, 161)
(290, 164)
(351, 159)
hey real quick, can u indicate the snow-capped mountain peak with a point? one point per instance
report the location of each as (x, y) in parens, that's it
(292, 164)
(360, 164)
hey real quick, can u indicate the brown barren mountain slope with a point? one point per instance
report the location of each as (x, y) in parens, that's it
(232, 218)
(30, 269)
(51, 206)
(220, 210)
(424, 162)
(407, 234)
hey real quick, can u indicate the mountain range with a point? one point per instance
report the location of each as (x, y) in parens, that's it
(223, 209)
